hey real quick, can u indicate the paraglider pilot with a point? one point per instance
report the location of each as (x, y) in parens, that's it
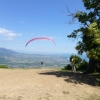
(41, 63)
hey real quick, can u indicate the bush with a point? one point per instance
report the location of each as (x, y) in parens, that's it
(4, 66)
(83, 65)
(77, 59)
(79, 63)
(67, 67)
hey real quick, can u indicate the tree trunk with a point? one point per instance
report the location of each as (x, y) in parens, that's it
(94, 66)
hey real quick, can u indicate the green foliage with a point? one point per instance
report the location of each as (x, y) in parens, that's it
(76, 58)
(67, 67)
(4, 66)
(79, 63)
(83, 65)
(89, 32)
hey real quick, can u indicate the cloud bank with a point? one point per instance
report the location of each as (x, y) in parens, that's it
(8, 34)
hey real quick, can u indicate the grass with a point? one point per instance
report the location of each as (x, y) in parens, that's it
(66, 92)
(93, 97)
(97, 76)
(4, 66)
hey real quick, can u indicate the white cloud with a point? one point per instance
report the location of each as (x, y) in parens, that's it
(8, 33)
(19, 34)
(8, 39)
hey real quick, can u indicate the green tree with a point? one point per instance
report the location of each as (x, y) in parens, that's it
(76, 58)
(81, 64)
(89, 32)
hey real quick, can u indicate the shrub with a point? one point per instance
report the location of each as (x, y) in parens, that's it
(4, 66)
(83, 65)
(67, 67)
(77, 59)
(79, 63)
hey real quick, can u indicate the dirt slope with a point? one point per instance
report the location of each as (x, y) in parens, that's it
(45, 84)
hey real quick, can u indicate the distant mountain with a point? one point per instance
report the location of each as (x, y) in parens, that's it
(7, 52)
(15, 59)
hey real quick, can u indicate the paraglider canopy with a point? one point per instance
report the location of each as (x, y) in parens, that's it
(40, 38)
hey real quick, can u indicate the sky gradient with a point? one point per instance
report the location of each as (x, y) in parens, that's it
(22, 20)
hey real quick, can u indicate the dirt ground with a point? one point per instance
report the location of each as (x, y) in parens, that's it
(46, 84)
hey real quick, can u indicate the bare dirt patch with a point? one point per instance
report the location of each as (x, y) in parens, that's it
(46, 84)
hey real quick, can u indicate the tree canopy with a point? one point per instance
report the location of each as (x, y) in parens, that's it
(89, 31)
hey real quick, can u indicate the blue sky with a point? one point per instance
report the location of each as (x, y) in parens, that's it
(22, 20)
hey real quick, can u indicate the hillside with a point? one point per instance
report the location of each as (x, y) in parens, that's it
(15, 59)
(46, 84)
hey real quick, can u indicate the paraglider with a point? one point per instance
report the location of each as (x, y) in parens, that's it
(40, 38)
(42, 63)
